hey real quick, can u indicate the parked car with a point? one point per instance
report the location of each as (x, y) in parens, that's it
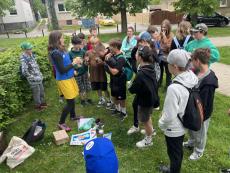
(216, 19)
(106, 21)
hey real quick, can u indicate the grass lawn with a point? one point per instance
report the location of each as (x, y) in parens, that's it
(224, 55)
(218, 31)
(49, 158)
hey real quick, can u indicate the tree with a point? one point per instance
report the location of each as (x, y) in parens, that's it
(91, 8)
(38, 7)
(52, 14)
(196, 7)
(5, 5)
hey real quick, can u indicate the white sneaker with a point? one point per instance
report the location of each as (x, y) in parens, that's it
(195, 156)
(157, 109)
(143, 132)
(144, 143)
(132, 130)
(101, 102)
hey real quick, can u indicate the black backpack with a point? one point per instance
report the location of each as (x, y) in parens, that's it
(194, 113)
(35, 132)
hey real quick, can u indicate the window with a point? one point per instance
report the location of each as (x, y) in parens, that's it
(61, 7)
(69, 22)
(223, 3)
(13, 11)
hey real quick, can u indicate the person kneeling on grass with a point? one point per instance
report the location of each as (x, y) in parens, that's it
(175, 103)
(145, 88)
(31, 71)
(207, 85)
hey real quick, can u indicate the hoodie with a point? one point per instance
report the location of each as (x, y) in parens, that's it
(79, 53)
(175, 104)
(207, 86)
(145, 86)
(204, 43)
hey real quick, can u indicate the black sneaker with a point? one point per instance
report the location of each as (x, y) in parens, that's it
(83, 103)
(164, 169)
(111, 107)
(114, 112)
(89, 101)
(123, 116)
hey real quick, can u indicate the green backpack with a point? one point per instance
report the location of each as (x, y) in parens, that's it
(127, 69)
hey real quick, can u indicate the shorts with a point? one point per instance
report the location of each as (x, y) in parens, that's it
(118, 87)
(68, 88)
(144, 113)
(99, 86)
(83, 83)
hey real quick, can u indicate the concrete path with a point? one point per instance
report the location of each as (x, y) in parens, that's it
(223, 73)
(220, 41)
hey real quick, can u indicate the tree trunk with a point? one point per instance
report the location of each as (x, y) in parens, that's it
(52, 14)
(123, 16)
(194, 19)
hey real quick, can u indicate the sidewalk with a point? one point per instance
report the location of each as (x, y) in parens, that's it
(223, 74)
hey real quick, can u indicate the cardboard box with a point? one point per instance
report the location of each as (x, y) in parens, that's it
(60, 137)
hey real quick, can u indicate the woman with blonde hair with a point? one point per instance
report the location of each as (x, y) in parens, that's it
(183, 36)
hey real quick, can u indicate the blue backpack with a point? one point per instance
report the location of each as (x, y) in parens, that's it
(184, 44)
(127, 69)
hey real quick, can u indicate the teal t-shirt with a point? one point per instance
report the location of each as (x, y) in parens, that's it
(79, 53)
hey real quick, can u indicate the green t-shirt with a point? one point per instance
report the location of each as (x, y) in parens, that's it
(79, 53)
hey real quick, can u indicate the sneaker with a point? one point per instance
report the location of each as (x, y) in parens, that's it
(132, 130)
(44, 105)
(111, 107)
(195, 156)
(157, 109)
(61, 99)
(64, 127)
(143, 132)
(164, 169)
(101, 103)
(188, 145)
(114, 112)
(144, 143)
(123, 116)
(89, 101)
(83, 103)
(108, 104)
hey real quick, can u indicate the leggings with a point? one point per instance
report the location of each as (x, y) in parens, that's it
(69, 108)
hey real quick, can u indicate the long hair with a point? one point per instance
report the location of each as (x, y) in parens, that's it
(183, 29)
(167, 24)
(54, 41)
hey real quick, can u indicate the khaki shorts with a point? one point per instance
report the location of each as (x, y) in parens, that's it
(144, 113)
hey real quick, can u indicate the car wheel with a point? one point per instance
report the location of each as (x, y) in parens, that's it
(222, 23)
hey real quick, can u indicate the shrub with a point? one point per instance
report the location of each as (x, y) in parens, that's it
(14, 91)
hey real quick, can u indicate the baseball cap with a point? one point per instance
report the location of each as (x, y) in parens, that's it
(200, 27)
(100, 156)
(144, 36)
(26, 46)
(178, 57)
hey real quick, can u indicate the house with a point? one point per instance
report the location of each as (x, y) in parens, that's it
(18, 17)
(224, 8)
(64, 16)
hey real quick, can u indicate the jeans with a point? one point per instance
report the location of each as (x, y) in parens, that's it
(38, 94)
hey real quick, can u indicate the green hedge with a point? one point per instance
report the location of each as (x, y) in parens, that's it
(14, 91)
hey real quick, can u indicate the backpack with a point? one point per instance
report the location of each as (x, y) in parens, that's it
(184, 44)
(127, 69)
(194, 112)
(35, 132)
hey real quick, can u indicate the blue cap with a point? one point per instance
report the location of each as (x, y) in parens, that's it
(145, 36)
(100, 156)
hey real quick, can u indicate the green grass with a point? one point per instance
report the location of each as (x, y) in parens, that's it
(49, 158)
(218, 31)
(224, 55)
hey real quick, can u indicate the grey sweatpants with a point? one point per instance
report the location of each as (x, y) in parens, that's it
(198, 138)
(38, 93)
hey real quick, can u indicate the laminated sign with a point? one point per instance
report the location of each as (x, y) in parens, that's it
(83, 138)
(17, 151)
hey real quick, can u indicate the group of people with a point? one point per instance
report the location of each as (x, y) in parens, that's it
(187, 56)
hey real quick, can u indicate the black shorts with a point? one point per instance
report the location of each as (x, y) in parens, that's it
(99, 86)
(118, 87)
